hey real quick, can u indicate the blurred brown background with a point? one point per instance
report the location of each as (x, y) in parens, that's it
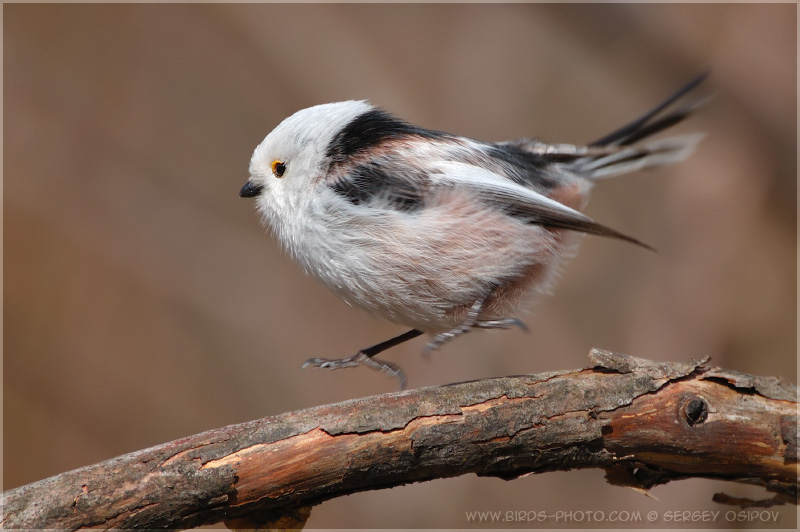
(143, 302)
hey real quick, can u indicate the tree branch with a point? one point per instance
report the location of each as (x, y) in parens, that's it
(645, 423)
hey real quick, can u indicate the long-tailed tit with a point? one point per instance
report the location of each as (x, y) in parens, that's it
(434, 231)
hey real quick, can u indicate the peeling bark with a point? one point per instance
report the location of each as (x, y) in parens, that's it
(644, 422)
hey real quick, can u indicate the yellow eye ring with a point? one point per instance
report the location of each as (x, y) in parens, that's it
(278, 168)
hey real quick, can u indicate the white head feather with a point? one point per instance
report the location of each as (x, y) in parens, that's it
(300, 143)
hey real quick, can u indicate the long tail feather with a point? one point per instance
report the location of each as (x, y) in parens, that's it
(634, 130)
(622, 151)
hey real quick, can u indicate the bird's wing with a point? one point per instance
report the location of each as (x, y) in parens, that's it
(403, 181)
(517, 200)
(382, 181)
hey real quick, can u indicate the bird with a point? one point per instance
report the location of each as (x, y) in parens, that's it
(434, 231)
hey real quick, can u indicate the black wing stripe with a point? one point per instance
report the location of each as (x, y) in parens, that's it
(371, 182)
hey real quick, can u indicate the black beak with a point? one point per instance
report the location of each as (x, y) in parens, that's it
(249, 190)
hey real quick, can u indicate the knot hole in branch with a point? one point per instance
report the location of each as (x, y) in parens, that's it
(695, 410)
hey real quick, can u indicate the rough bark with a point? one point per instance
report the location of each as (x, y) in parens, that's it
(644, 422)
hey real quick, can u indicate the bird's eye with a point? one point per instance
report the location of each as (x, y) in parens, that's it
(278, 168)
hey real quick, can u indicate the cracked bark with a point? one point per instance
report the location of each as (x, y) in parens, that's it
(645, 423)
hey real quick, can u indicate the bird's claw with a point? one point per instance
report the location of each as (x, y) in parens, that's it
(359, 359)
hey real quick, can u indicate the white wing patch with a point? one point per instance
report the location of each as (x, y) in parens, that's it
(517, 200)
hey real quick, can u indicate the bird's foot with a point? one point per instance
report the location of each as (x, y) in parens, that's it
(471, 322)
(360, 359)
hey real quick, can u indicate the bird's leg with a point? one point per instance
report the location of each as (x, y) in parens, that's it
(471, 322)
(365, 357)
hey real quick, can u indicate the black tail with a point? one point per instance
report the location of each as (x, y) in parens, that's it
(651, 122)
